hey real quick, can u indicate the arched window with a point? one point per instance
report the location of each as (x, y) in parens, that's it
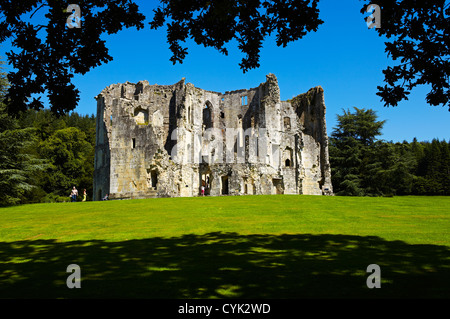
(154, 177)
(208, 115)
(288, 157)
(288, 163)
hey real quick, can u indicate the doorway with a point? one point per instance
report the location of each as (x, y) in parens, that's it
(154, 178)
(278, 186)
(225, 185)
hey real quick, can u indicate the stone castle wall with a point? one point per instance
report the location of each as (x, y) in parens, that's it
(169, 140)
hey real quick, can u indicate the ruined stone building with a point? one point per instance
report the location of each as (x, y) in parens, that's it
(170, 140)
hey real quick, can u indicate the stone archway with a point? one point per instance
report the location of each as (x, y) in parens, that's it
(206, 179)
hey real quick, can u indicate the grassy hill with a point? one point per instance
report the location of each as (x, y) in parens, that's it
(218, 247)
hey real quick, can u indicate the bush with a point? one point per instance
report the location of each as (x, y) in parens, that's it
(53, 198)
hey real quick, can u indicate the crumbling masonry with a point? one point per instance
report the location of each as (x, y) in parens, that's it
(170, 140)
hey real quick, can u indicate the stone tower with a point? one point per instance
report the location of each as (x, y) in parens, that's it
(170, 140)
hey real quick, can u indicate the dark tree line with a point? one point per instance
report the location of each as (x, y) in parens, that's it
(66, 144)
(43, 156)
(362, 165)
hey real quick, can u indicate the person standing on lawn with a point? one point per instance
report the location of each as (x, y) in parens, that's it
(74, 194)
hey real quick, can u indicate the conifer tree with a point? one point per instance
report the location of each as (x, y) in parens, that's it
(351, 148)
(16, 165)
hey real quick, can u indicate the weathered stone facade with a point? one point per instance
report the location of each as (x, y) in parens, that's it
(169, 140)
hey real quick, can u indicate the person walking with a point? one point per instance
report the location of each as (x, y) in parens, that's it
(74, 194)
(84, 195)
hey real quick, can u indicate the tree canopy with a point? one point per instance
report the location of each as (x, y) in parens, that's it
(215, 23)
(363, 165)
(48, 63)
(419, 39)
(16, 165)
(48, 55)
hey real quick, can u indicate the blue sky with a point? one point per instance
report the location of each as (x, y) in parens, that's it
(343, 56)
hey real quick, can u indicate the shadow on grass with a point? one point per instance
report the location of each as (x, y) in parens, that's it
(224, 265)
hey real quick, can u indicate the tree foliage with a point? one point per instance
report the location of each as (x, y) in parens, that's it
(351, 143)
(16, 165)
(49, 54)
(42, 156)
(67, 144)
(47, 63)
(433, 169)
(362, 165)
(361, 126)
(215, 23)
(418, 33)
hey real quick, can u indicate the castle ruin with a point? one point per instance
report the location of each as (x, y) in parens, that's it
(170, 140)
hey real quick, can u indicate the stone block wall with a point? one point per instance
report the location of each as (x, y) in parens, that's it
(169, 140)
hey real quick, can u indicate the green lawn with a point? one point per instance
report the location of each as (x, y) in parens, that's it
(219, 247)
